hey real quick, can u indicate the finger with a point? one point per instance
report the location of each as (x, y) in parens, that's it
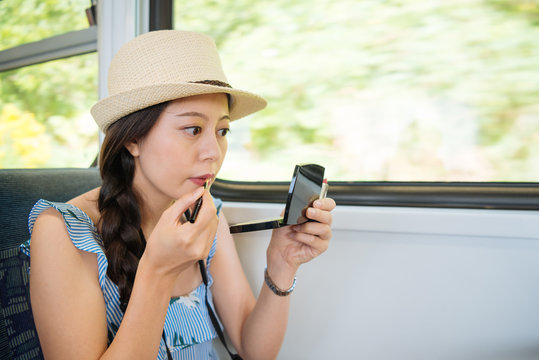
(312, 241)
(207, 210)
(176, 210)
(202, 242)
(205, 226)
(201, 235)
(327, 204)
(323, 231)
(320, 215)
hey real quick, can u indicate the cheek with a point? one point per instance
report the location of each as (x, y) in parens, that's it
(165, 165)
(156, 150)
(163, 152)
(224, 147)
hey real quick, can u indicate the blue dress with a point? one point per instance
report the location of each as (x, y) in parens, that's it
(188, 329)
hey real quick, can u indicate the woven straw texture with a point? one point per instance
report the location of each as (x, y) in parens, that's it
(165, 65)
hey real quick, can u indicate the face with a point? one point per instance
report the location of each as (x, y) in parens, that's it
(186, 146)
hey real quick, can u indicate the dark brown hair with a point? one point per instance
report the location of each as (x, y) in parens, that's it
(118, 202)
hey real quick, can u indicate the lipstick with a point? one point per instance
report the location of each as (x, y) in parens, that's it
(324, 189)
(198, 204)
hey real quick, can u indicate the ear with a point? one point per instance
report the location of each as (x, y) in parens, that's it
(133, 148)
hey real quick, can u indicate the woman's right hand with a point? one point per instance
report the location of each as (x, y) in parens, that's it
(174, 246)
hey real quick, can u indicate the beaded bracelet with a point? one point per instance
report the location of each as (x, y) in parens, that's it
(274, 287)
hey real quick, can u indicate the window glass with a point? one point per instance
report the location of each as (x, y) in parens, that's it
(396, 90)
(44, 114)
(32, 20)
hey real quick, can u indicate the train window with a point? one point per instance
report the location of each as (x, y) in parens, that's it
(32, 20)
(47, 87)
(44, 114)
(419, 90)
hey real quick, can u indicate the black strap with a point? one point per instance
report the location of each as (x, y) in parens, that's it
(213, 317)
(169, 355)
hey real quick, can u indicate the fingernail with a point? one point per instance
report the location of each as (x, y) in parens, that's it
(317, 203)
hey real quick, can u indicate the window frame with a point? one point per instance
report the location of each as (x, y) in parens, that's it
(57, 47)
(463, 195)
(111, 33)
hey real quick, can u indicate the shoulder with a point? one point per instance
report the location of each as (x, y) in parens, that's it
(64, 227)
(48, 222)
(50, 237)
(223, 227)
(225, 241)
(60, 243)
(48, 215)
(218, 203)
(88, 203)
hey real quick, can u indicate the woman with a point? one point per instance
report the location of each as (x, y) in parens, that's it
(115, 271)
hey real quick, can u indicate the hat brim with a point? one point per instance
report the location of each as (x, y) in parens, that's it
(112, 108)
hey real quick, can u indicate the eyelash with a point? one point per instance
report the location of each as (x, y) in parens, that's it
(195, 130)
(224, 131)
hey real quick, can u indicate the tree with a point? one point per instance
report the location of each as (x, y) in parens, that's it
(320, 63)
(56, 94)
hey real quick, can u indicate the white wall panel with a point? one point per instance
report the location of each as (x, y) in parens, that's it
(411, 283)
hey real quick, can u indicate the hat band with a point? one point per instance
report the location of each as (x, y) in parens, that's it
(212, 82)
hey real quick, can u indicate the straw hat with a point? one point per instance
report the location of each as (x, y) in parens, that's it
(165, 65)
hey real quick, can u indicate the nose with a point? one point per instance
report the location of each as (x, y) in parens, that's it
(210, 149)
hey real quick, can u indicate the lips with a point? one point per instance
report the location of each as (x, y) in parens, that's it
(200, 180)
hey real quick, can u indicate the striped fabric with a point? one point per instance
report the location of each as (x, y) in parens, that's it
(188, 329)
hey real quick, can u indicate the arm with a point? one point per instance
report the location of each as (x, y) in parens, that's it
(68, 304)
(257, 328)
(67, 300)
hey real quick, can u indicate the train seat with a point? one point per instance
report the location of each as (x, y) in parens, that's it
(19, 191)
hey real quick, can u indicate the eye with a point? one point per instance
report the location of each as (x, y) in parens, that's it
(193, 130)
(223, 132)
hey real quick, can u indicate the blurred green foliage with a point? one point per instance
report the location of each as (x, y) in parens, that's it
(32, 20)
(23, 141)
(55, 95)
(430, 90)
(371, 87)
(529, 9)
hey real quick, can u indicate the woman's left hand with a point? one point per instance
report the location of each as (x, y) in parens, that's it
(294, 245)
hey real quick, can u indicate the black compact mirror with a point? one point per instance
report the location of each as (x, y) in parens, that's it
(303, 191)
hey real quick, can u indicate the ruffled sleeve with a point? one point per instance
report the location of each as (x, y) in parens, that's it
(80, 228)
(84, 236)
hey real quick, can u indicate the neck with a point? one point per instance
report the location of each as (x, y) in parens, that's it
(151, 204)
(151, 211)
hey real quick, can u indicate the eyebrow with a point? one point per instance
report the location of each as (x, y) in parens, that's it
(201, 115)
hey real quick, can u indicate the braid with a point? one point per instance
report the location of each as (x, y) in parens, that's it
(118, 201)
